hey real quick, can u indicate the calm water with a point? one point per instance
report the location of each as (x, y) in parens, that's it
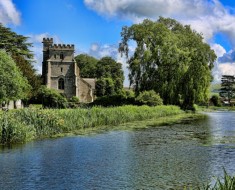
(166, 157)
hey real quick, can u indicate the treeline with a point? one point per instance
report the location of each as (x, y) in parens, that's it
(171, 62)
(107, 71)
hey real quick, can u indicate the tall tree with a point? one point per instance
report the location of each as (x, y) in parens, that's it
(171, 59)
(107, 71)
(18, 48)
(87, 65)
(228, 87)
(13, 85)
(111, 74)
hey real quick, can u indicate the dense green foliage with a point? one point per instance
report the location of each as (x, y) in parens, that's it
(150, 98)
(18, 48)
(105, 86)
(107, 71)
(115, 100)
(19, 126)
(110, 76)
(171, 59)
(51, 98)
(23, 125)
(227, 90)
(215, 99)
(87, 65)
(13, 85)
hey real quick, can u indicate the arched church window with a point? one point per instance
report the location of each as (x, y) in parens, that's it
(61, 84)
(61, 55)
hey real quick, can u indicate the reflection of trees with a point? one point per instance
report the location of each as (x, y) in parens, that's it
(202, 131)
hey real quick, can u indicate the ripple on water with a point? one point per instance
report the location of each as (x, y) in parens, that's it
(166, 157)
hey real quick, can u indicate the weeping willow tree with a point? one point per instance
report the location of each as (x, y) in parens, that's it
(171, 59)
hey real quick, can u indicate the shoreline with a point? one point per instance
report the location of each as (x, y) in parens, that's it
(22, 126)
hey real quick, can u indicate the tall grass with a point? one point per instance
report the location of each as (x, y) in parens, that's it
(23, 125)
(98, 116)
(226, 183)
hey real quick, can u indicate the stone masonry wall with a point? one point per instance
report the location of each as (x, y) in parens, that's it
(85, 91)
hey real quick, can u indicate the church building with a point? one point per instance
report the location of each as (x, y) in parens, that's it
(60, 71)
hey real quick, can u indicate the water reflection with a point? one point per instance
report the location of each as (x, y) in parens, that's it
(156, 158)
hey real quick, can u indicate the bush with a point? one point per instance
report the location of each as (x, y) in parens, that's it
(51, 98)
(215, 99)
(150, 98)
(114, 100)
(73, 102)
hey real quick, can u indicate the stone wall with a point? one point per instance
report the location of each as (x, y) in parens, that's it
(58, 63)
(85, 91)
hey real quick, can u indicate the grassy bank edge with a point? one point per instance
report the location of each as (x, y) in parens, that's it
(137, 125)
(215, 108)
(20, 126)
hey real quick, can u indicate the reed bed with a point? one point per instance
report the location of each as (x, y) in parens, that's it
(98, 116)
(226, 183)
(19, 126)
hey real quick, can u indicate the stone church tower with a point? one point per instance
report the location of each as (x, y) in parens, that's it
(60, 72)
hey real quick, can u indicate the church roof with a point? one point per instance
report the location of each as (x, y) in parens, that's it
(90, 81)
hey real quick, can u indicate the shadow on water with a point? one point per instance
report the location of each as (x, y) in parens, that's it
(165, 157)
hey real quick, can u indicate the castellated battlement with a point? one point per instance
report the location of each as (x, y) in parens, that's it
(48, 43)
(62, 46)
(48, 40)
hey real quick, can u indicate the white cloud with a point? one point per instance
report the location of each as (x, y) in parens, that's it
(227, 68)
(103, 50)
(225, 65)
(9, 13)
(228, 57)
(206, 16)
(134, 9)
(219, 50)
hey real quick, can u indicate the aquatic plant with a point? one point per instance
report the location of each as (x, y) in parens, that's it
(226, 183)
(18, 126)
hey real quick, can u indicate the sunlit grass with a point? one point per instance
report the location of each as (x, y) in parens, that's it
(226, 183)
(23, 125)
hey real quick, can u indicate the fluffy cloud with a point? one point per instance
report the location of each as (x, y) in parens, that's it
(219, 50)
(228, 57)
(222, 69)
(207, 17)
(135, 9)
(225, 65)
(9, 13)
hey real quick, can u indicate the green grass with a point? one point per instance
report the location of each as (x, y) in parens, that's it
(226, 183)
(19, 126)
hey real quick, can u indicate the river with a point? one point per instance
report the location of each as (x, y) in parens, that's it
(166, 157)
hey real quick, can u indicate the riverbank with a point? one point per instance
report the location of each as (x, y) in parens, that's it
(20, 126)
(215, 108)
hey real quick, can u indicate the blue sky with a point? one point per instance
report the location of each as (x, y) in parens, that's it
(94, 26)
